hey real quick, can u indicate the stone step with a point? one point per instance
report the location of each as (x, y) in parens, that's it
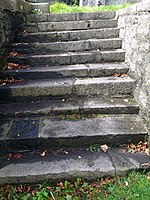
(33, 89)
(70, 46)
(50, 132)
(68, 35)
(69, 17)
(69, 25)
(79, 106)
(70, 58)
(61, 165)
(81, 70)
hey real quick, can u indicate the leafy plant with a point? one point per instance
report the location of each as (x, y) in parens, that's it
(94, 148)
(36, 11)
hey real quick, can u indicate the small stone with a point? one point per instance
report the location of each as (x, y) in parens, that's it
(126, 100)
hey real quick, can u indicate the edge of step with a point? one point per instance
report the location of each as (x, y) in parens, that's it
(53, 132)
(70, 106)
(72, 35)
(117, 55)
(63, 71)
(60, 166)
(70, 46)
(70, 16)
(107, 86)
(69, 25)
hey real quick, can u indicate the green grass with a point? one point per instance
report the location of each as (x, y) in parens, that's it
(134, 187)
(64, 8)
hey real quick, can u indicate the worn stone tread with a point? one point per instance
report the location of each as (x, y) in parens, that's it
(71, 35)
(69, 16)
(56, 132)
(69, 25)
(70, 106)
(104, 86)
(116, 55)
(70, 46)
(79, 70)
(31, 168)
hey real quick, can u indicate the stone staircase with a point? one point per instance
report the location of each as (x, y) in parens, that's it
(76, 93)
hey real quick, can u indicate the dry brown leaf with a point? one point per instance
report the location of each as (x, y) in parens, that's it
(120, 75)
(13, 66)
(9, 80)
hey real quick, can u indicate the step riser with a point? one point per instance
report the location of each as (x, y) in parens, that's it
(81, 72)
(70, 88)
(69, 36)
(81, 112)
(80, 142)
(67, 47)
(69, 17)
(69, 25)
(69, 59)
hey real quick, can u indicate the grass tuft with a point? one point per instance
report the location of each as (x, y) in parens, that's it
(60, 8)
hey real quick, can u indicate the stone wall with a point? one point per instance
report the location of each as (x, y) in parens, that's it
(9, 24)
(134, 24)
(5, 33)
(105, 2)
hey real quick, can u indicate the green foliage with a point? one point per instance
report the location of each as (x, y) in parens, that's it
(64, 8)
(94, 148)
(36, 11)
(134, 187)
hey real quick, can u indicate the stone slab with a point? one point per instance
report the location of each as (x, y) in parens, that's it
(70, 58)
(56, 47)
(42, 88)
(107, 86)
(69, 16)
(70, 25)
(68, 36)
(69, 106)
(63, 71)
(98, 87)
(31, 168)
(127, 162)
(107, 69)
(48, 72)
(56, 132)
(34, 169)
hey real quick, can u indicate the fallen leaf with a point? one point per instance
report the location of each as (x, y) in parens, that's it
(145, 165)
(66, 152)
(126, 183)
(148, 177)
(42, 153)
(104, 148)
(13, 66)
(120, 75)
(147, 151)
(17, 156)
